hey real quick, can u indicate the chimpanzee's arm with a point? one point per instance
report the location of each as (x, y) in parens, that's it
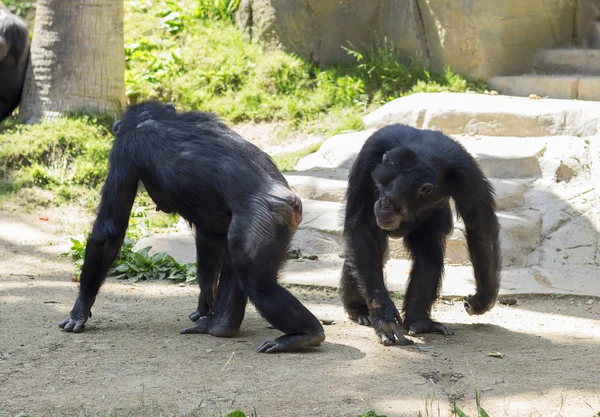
(366, 244)
(107, 237)
(474, 198)
(364, 293)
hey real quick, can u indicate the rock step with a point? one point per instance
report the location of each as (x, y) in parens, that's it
(318, 186)
(482, 114)
(499, 157)
(568, 61)
(505, 157)
(324, 216)
(322, 226)
(573, 86)
(458, 280)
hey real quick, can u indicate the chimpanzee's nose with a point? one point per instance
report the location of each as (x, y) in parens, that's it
(385, 205)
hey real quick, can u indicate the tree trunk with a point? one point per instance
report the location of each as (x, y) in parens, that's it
(77, 59)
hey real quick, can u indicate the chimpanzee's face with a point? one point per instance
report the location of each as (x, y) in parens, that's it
(402, 181)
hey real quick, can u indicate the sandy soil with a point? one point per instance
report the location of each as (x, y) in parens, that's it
(133, 358)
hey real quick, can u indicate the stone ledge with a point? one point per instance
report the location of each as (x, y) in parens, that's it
(458, 280)
(569, 87)
(457, 113)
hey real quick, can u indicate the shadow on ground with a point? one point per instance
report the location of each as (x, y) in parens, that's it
(132, 344)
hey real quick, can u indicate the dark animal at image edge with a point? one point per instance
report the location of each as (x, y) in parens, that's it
(400, 186)
(241, 207)
(14, 55)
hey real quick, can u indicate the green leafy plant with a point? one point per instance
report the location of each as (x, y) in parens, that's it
(172, 19)
(19, 8)
(77, 255)
(138, 265)
(216, 9)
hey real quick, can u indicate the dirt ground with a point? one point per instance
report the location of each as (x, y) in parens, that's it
(133, 358)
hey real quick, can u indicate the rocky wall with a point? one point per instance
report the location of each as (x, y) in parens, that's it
(478, 38)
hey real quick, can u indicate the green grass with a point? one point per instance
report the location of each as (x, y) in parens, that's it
(68, 159)
(197, 58)
(67, 156)
(287, 161)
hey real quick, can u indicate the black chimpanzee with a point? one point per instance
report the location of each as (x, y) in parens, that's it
(241, 207)
(400, 186)
(14, 54)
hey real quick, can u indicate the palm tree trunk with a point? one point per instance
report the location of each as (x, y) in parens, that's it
(77, 59)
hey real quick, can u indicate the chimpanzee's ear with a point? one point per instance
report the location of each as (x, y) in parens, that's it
(425, 189)
(116, 127)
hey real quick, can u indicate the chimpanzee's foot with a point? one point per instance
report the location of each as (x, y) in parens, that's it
(427, 326)
(209, 325)
(291, 342)
(79, 315)
(359, 315)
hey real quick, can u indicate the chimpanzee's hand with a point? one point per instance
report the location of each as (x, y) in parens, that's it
(76, 321)
(478, 303)
(388, 325)
(205, 305)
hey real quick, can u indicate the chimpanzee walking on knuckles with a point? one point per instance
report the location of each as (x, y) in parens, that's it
(241, 207)
(400, 186)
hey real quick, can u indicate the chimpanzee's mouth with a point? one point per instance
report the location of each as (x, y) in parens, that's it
(385, 224)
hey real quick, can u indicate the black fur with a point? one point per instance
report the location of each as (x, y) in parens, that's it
(400, 186)
(14, 55)
(241, 207)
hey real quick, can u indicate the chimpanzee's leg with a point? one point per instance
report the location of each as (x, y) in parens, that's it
(106, 239)
(209, 257)
(229, 307)
(426, 245)
(284, 312)
(258, 244)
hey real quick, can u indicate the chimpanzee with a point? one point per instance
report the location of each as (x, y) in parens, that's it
(400, 186)
(242, 209)
(14, 54)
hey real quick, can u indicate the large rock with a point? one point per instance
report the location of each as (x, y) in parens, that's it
(478, 38)
(489, 37)
(482, 114)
